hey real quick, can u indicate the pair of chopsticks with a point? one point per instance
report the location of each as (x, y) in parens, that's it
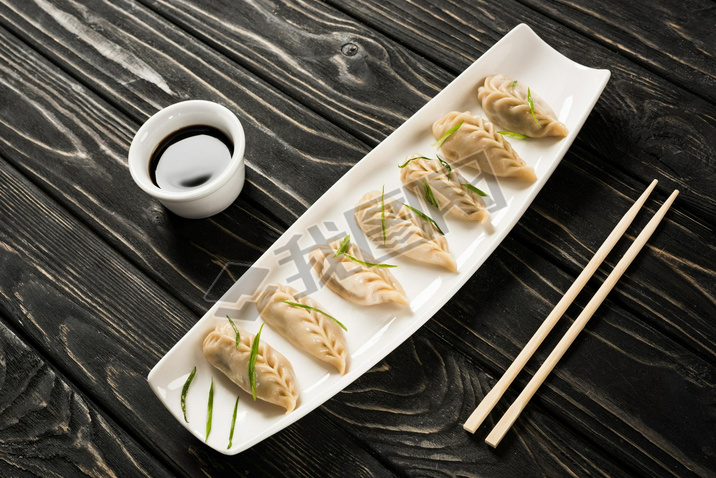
(491, 399)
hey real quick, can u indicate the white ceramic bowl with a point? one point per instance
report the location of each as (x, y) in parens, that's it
(207, 199)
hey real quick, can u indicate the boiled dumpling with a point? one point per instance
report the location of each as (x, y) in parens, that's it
(447, 187)
(477, 144)
(406, 234)
(505, 103)
(275, 379)
(307, 329)
(353, 281)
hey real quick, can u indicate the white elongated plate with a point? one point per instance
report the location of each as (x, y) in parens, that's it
(571, 89)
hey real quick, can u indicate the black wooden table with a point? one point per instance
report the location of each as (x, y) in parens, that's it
(98, 281)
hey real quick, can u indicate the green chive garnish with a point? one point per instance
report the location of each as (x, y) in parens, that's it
(513, 134)
(382, 212)
(477, 191)
(413, 159)
(426, 217)
(252, 361)
(304, 306)
(185, 390)
(343, 250)
(233, 422)
(209, 410)
(447, 134)
(343, 247)
(429, 194)
(532, 106)
(442, 161)
(236, 331)
(445, 165)
(368, 264)
(512, 85)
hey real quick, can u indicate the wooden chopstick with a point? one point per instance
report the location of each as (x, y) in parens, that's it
(494, 396)
(502, 427)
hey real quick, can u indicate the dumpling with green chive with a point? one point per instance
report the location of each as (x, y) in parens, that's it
(506, 102)
(355, 276)
(476, 143)
(427, 177)
(399, 230)
(306, 324)
(275, 378)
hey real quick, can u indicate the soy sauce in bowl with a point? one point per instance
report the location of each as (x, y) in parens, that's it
(190, 157)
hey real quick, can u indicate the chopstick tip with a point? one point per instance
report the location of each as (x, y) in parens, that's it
(493, 442)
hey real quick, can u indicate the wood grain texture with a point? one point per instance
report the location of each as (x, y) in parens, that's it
(410, 406)
(50, 297)
(671, 288)
(639, 395)
(81, 357)
(105, 324)
(199, 262)
(642, 124)
(49, 429)
(674, 39)
(318, 56)
(60, 101)
(642, 127)
(109, 46)
(75, 144)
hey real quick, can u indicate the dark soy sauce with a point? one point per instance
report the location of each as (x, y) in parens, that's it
(190, 157)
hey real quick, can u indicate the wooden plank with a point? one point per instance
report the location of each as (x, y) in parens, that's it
(665, 303)
(639, 145)
(106, 325)
(641, 397)
(579, 447)
(436, 35)
(410, 409)
(97, 43)
(633, 435)
(674, 39)
(672, 289)
(94, 140)
(373, 87)
(318, 56)
(50, 429)
(77, 299)
(208, 252)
